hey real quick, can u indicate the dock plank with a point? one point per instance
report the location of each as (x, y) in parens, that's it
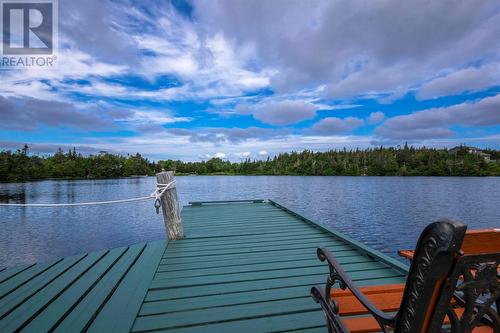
(232, 313)
(255, 267)
(18, 296)
(157, 306)
(281, 254)
(160, 289)
(281, 323)
(6, 274)
(242, 243)
(21, 316)
(259, 276)
(127, 299)
(256, 248)
(57, 310)
(21, 277)
(82, 315)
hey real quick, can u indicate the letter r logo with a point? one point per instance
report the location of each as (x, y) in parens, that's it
(28, 27)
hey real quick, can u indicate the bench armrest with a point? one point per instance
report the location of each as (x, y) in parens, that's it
(330, 307)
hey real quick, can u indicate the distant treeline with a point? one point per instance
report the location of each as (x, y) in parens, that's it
(401, 161)
(20, 165)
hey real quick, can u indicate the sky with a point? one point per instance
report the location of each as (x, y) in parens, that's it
(240, 79)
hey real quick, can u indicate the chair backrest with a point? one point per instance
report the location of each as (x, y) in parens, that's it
(435, 255)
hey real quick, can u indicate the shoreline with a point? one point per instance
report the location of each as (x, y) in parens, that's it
(243, 175)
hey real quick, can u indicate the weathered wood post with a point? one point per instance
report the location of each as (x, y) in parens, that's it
(170, 206)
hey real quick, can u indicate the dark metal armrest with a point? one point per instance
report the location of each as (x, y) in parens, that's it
(337, 274)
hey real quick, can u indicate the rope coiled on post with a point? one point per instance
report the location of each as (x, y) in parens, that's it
(157, 194)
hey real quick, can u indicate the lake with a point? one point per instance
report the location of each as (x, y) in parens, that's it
(386, 213)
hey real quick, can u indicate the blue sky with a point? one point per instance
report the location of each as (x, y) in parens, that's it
(235, 79)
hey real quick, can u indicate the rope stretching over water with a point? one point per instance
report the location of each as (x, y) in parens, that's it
(157, 194)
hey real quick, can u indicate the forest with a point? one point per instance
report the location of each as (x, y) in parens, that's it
(21, 165)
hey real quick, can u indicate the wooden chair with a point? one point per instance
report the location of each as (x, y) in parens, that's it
(428, 299)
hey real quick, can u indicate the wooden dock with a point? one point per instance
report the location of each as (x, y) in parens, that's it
(243, 267)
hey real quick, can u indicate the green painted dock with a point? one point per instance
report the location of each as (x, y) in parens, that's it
(243, 267)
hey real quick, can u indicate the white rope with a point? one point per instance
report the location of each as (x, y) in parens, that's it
(78, 203)
(160, 190)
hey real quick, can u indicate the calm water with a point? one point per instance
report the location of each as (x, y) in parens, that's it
(386, 213)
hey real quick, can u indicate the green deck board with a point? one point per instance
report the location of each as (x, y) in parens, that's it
(22, 277)
(127, 299)
(268, 225)
(205, 302)
(266, 234)
(158, 295)
(87, 309)
(241, 233)
(243, 266)
(241, 219)
(242, 311)
(164, 292)
(6, 274)
(281, 323)
(56, 311)
(311, 330)
(17, 297)
(171, 282)
(241, 256)
(165, 267)
(257, 249)
(245, 243)
(209, 248)
(200, 242)
(21, 316)
(253, 221)
(257, 267)
(152, 306)
(228, 232)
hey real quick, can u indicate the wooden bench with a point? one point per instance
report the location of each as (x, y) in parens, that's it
(475, 242)
(440, 290)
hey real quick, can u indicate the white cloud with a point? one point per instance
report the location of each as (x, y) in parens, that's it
(16, 87)
(333, 125)
(48, 83)
(220, 136)
(51, 148)
(29, 114)
(328, 107)
(243, 155)
(375, 117)
(435, 122)
(279, 112)
(263, 153)
(219, 155)
(208, 65)
(151, 116)
(469, 79)
(356, 49)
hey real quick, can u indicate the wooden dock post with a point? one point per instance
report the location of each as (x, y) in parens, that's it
(170, 206)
